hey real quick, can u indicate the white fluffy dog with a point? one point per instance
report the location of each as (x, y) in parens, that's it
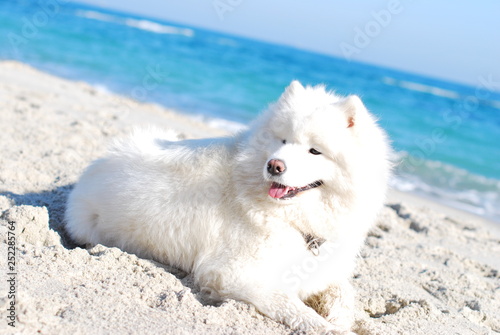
(273, 216)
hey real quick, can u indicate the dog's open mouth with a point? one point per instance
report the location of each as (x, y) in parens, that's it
(279, 191)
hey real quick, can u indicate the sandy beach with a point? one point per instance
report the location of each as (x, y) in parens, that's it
(425, 268)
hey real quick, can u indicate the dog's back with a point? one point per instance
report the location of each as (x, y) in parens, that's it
(149, 196)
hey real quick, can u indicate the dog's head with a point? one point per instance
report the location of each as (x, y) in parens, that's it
(311, 143)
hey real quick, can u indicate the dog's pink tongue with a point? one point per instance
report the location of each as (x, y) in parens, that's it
(278, 191)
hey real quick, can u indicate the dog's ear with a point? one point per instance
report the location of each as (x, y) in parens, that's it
(294, 87)
(353, 108)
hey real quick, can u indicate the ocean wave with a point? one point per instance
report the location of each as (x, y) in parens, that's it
(101, 88)
(472, 201)
(494, 104)
(158, 28)
(227, 42)
(223, 124)
(449, 185)
(142, 24)
(89, 14)
(421, 88)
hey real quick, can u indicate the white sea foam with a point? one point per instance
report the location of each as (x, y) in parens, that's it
(421, 88)
(232, 127)
(450, 186)
(472, 201)
(146, 25)
(158, 28)
(223, 124)
(102, 88)
(90, 14)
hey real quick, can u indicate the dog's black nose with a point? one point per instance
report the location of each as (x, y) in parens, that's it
(276, 167)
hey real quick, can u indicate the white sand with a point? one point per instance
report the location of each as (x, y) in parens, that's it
(421, 272)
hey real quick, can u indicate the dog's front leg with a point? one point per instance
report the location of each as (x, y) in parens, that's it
(291, 311)
(335, 304)
(269, 299)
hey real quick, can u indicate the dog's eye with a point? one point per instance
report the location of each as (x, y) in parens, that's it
(284, 141)
(314, 151)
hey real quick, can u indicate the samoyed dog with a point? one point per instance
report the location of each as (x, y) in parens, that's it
(273, 216)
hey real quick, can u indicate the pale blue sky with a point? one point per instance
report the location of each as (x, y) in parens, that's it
(454, 40)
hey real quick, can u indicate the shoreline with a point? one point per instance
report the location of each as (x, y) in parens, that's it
(420, 201)
(425, 268)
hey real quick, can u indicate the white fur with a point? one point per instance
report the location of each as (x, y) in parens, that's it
(203, 205)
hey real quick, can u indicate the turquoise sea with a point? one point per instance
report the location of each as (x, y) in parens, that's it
(446, 135)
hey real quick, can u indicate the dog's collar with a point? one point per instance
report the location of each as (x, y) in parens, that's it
(313, 243)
